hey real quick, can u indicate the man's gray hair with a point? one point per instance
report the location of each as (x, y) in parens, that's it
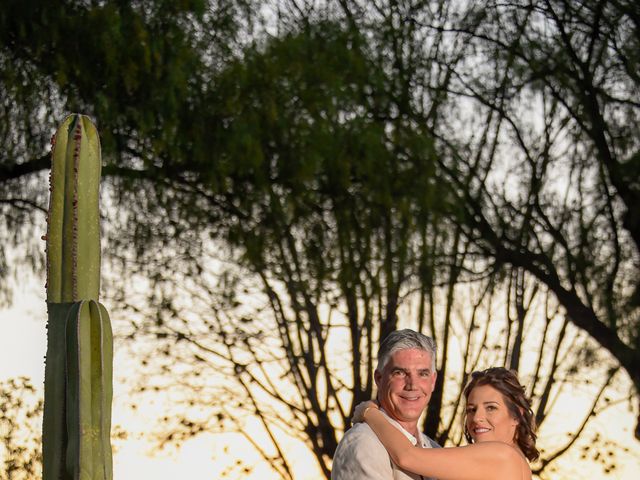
(402, 340)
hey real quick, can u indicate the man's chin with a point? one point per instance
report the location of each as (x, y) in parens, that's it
(411, 406)
(409, 413)
(403, 410)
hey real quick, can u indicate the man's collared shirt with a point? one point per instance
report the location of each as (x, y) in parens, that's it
(360, 455)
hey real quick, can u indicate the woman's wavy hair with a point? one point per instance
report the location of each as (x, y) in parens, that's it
(506, 382)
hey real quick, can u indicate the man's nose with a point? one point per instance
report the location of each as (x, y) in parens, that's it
(408, 381)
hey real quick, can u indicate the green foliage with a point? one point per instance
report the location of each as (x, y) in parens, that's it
(141, 54)
(303, 142)
(140, 68)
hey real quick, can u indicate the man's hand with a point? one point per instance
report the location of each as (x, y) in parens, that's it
(361, 409)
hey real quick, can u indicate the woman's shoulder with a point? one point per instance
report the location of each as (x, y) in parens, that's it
(514, 457)
(525, 467)
(507, 457)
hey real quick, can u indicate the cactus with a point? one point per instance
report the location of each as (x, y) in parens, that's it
(78, 371)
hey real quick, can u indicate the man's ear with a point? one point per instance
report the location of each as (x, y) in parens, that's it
(377, 375)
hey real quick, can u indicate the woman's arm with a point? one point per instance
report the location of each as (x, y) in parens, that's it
(474, 462)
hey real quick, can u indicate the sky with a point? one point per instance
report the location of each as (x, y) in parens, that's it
(22, 351)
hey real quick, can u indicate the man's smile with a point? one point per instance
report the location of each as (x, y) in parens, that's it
(411, 397)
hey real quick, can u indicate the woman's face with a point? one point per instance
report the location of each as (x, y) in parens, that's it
(488, 417)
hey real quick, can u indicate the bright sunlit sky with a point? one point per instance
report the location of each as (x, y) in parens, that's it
(22, 351)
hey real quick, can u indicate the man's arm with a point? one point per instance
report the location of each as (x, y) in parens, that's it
(361, 456)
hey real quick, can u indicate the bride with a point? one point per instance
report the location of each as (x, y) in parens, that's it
(499, 425)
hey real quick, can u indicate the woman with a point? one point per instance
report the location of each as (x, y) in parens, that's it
(499, 424)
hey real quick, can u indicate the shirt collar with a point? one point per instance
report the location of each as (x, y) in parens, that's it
(412, 439)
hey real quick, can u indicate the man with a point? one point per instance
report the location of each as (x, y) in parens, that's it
(405, 377)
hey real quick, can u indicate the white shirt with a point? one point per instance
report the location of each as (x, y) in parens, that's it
(361, 456)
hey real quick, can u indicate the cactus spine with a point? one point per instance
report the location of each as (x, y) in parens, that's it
(78, 373)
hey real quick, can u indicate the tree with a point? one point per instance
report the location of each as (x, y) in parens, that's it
(565, 102)
(311, 177)
(325, 242)
(150, 59)
(20, 418)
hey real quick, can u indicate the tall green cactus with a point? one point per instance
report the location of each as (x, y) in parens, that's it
(78, 371)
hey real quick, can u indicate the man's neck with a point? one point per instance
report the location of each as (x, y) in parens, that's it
(411, 428)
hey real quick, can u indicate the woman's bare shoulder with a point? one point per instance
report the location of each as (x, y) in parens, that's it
(513, 457)
(507, 458)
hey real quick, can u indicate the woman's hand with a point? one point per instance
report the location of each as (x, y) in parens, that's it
(361, 408)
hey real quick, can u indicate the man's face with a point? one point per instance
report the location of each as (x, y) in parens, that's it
(405, 385)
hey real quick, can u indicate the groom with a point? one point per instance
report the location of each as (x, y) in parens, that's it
(405, 377)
